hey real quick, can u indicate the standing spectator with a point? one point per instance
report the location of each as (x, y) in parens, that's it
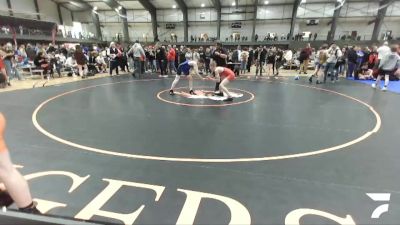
(250, 60)
(334, 53)
(244, 57)
(10, 63)
(278, 61)
(124, 60)
(161, 58)
(207, 60)
(271, 62)
(383, 51)
(152, 60)
(389, 64)
(340, 65)
(4, 78)
(305, 58)
(171, 59)
(236, 60)
(182, 54)
(322, 58)
(315, 36)
(259, 57)
(351, 61)
(138, 57)
(196, 55)
(81, 60)
(113, 58)
(288, 58)
(256, 37)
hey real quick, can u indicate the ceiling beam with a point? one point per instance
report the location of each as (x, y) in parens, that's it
(217, 6)
(153, 13)
(182, 5)
(121, 11)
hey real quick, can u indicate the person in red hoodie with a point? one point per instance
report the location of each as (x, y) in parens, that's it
(171, 59)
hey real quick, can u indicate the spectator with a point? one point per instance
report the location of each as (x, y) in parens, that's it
(138, 57)
(383, 51)
(304, 58)
(112, 54)
(171, 59)
(334, 53)
(351, 61)
(389, 64)
(278, 61)
(81, 60)
(260, 55)
(244, 57)
(41, 62)
(10, 63)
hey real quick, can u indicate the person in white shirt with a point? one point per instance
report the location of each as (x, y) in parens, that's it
(383, 51)
(138, 56)
(101, 64)
(288, 58)
(334, 53)
(72, 65)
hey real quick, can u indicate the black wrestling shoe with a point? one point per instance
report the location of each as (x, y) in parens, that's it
(30, 209)
(218, 94)
(171, 92)
(192, 92)
(5, 199)
(228, 99)
(310, 79)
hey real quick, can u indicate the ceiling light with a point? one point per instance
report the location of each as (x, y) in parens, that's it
(233, 3)
(95, 8)
(119, 7)
(266, 2)
(202, 5)
(174, 6)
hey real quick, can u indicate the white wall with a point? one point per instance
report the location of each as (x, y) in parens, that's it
(48, 11)
(138, 16)
(66, 16)
(24, 9)
(198, 28)
(169, 15)
(246, 30)
(393, 25)
(273, 26)
(4, 8)
(209, 14)
(83, 17)
(166, 34)
(136, 31)
(274, 12)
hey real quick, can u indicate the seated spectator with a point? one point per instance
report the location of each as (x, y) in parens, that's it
(101, 64)
(71, 65)
(42, 63)
(365, 73)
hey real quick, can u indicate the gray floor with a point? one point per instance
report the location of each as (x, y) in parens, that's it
(283, 119)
